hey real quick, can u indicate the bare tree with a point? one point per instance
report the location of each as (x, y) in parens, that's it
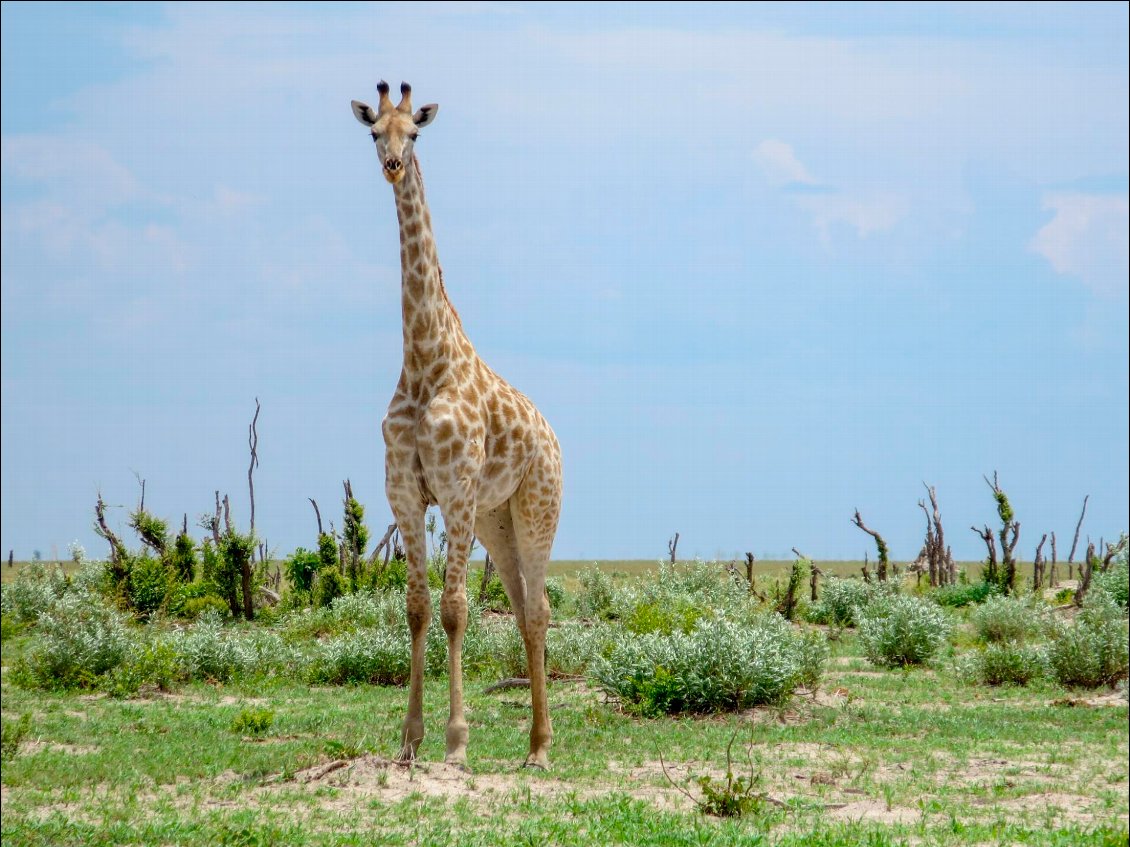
(1038, 566)
(879, 543)
(253, 444)
(671, 545)
(1075, 540)
(317, 514)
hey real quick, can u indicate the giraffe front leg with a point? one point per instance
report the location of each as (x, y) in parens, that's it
(410, 519)
(458, 521)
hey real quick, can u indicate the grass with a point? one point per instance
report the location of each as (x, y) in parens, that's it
(878, 757)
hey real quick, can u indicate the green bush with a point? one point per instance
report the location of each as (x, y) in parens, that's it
(1001, 663)
(596, 595)
(12, 735)
(555, 591)
(36, 589)
(372, 656)
(78, 641)
(570, 648)
(681, 615)
(300, 569)
(183, 558)
(1115, 581)
(1093, 649)
(1003, 619)
(254, 722)
(329, 586)
(897, 630)
(963, 594)
(719, 666)
(155, 663)
(838, 601)
(150, 582)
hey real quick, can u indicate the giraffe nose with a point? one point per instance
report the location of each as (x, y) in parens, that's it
(392, 165)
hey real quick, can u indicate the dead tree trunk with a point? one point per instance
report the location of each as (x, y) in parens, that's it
(671, 545)
(488, 572)
(1038, 566)
(253, 443)
(317, 514)
(1086, 570)
(11, 559)
(1053, 577)
(117, 549)
(1075, 540)
(879, 543)
(992, 571)
(749, 570)
(813, 577)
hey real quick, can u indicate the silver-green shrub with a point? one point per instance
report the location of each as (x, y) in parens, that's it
(374, 656)
(78, 640)
(36, 589)
(1115, 581)
(719, 666)
(1003, 619)
(899, 630)
(839, 600)
(1093, 649)
(1004, 663)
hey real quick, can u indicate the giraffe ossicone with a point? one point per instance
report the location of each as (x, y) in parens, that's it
(460, 437)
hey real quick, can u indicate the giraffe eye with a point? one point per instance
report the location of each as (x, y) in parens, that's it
(414, 136)
(376, 137)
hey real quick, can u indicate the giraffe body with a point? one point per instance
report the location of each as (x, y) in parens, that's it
(457, 435)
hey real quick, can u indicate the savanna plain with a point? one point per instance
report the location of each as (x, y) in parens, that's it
(688, 708)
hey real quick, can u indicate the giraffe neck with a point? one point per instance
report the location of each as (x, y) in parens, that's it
(432, 329)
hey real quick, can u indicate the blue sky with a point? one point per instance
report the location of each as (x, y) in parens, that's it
(759, 265)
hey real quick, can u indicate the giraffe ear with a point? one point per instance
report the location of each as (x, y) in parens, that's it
(426, 114)
(364, 112)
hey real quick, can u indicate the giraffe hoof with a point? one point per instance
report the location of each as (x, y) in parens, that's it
(535, 765)
(406, 756)
(458, 764)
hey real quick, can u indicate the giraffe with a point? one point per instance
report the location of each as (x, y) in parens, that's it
(459, 436)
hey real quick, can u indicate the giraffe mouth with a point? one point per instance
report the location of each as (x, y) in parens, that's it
(393, 177)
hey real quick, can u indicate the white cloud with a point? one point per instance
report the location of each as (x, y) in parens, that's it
(780, 163)
(79, 169)
(866, 215)
(1087, 239)
(864, 210)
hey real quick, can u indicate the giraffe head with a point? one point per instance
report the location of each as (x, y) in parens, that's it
(394, 128)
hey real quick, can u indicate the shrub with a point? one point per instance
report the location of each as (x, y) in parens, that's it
(1115, 581)
(719, 666)
(1005, 664)
(12, 734)
(839, 600)
(897, 630)
(680, 615)
(329, 586)
(79, 640)
(252, 722)
(962, 594)
(207, 653)
(571, 648)
(36, 589)
(597, 593)
(156, 663)
(1003, 619)
(1093, 649)
(150, 582)
(373, 656)
(300, 569)
(555, 591)
(183, 558)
